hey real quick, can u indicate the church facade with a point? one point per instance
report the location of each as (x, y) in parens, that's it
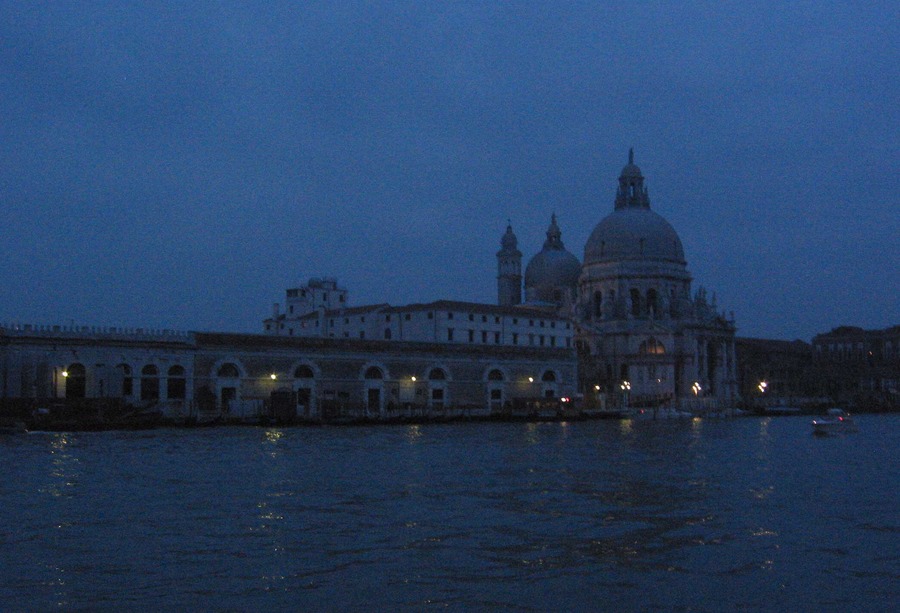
(639, 331)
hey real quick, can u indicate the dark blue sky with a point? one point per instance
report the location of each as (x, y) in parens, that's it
(179, 166)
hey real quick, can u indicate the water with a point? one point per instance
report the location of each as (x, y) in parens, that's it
(703, 515)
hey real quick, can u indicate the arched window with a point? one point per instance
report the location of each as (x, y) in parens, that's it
(373, 372)
(652, 302)
(437, 374)
(598, 304)
(495, 375)
(635, 302)
(176, 387)
(76, 381)
(149, 382)
(127, 388)
(651, 346)
(228, 371)
(548, 377)
(304, 372)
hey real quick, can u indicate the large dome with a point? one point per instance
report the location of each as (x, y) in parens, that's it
(632, 231)
(633, 234)
(553, 267)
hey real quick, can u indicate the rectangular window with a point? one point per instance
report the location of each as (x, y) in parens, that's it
(387, 317)
(542, 340)
(531, 322)
(449, 334)
(515, 321)
(362, 319)
(515, 339)
(471, 336)
(471, 317)
(484, 318)
(553, 341)
(346, 320)
(496, 338)
(406, 316)
(291, 309)
(496, 320)
(430, 315)
(483, 336)
(449, 315)
(362, 335)
(552, 324)
(542, 323)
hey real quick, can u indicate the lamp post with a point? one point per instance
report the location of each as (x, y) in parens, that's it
(762, 387)
(625, 387)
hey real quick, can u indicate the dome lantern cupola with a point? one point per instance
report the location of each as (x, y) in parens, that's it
(632, 193)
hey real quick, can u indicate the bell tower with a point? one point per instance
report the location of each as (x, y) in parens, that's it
(509, 270)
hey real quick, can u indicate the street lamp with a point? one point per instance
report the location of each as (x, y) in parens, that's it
(697, 388)
(762, 387)
(626, 387)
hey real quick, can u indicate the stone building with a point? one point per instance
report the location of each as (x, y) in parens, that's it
(235, 375)
(776, 373)
(637, 326)
(859, 367)
(442, 321)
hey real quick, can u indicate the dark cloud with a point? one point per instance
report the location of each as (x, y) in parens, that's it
(179, 165)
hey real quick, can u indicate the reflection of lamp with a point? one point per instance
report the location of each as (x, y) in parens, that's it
(531, 379)
(273, 376)
(596, 388)
(413, 379)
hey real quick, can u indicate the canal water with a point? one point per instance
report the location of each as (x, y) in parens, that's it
(702, 515)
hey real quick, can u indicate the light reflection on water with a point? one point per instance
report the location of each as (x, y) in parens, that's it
(584, 516)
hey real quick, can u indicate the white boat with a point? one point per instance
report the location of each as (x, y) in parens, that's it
(836, 421)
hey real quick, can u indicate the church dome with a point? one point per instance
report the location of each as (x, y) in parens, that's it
(553, 268)
(629, 234)
(632, 231)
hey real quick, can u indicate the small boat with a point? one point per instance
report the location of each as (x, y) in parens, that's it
(834, 422)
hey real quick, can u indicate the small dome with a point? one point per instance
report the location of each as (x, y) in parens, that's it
(549, 270)
(553, 268)
(633, 234)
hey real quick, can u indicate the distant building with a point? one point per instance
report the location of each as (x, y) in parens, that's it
(776, 372)
(860, 367)
(442, 321)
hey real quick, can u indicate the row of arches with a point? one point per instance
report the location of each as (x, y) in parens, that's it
(637, 304)
(150, 378)
(229, 370)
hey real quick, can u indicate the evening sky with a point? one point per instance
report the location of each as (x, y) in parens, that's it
(178, 165)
